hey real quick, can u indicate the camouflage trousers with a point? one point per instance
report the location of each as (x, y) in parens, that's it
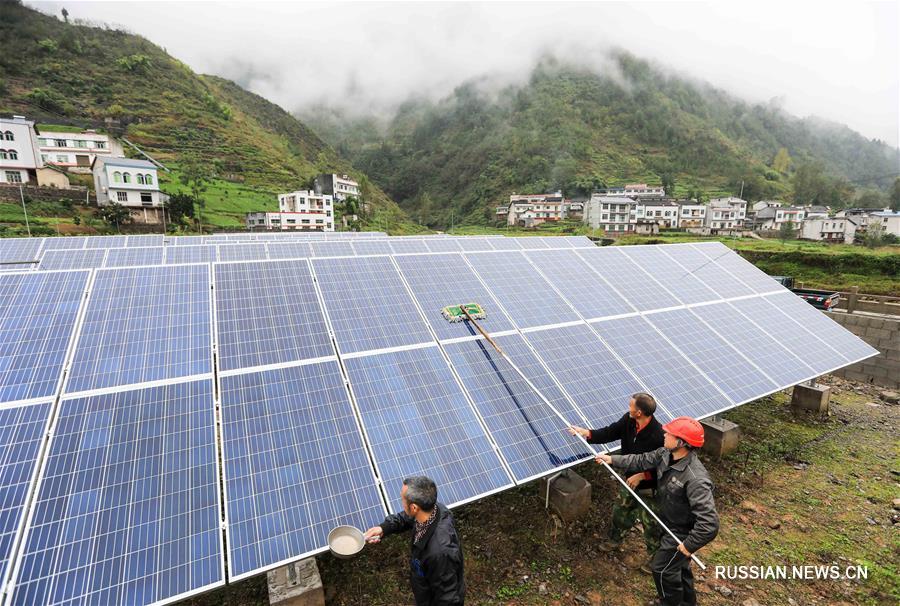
(626, 511)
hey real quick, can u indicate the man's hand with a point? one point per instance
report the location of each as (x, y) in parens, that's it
(634, 480)
(684, 550)
(374, 534)
(579, 431)
(603, 458)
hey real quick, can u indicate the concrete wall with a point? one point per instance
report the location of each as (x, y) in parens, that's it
(884, 335)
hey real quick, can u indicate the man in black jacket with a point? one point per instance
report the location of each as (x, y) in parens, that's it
(436, 560)
(639, 432)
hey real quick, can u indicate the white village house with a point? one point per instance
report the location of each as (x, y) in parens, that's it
(829, 229)
(19, 156)
(726, 213)
(612, 214)
(75, 151)
(662, 212)
(303, 210)
(691, 215)
(132, 183)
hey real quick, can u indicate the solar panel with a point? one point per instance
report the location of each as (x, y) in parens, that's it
(22, 431)
(695, 263)
(722, 363)
(580, 241)
(529, 243)
(524, 294)
(531, 437)
(146, 240)
(67, 243)
(475, 244)
(127, 505)
(243, 252)
(105, 241)
(131, 257)
(419, 422)
(295, 465)
(743, 270)
(367, 303)
(443, 245)
(556, 242)
(38, 311)
(441, 280)
(367, 246)
(408, 246)
(592, 376)
(268, 313)
(205, 253)
(332, 249)
(73, 259)
(762, 349)
(678, 281)
(289, 250)
(581, 287)
(144, 324)
(19, 250)
(847, 345)
(506, 243)
(669, 376)
(186, 240)
(634, 285)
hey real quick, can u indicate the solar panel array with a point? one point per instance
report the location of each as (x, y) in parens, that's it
(337, 376)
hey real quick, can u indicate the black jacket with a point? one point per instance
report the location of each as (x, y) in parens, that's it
(633, 442)
(436, 561)
(684, 495)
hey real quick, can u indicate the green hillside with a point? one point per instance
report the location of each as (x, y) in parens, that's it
(246, 147)
(575, 129)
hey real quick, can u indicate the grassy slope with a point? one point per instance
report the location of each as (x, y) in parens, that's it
(58, 73)
(570, 128)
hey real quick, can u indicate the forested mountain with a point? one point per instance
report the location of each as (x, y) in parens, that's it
(573, 128)
(245, 148)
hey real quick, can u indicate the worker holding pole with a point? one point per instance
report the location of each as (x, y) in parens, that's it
(686, 506)
(639, 432)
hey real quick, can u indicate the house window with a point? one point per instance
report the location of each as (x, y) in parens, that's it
(12, 154)
(2, 154)
(140, 179)
(81, 143)
(44, 157)
(117, 177)
(13, 176)
(60, 142)
(62, 158)
(148, 179)
(100, 144)
(122, 196)
(9, 136)
(146, 197)
(126, 177)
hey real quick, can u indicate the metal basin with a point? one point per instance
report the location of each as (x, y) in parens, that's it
(345, 541)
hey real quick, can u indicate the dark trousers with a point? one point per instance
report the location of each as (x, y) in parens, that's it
(672, 574)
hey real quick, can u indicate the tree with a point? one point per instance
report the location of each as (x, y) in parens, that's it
(786, 231)
(668, 183)
(65, 15)
(874, 236)
(180, 206)
(895, 195)
(114, 214)
(782, 161)
(195, 174)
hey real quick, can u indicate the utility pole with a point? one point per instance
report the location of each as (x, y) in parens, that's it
(24, 210)
(741, 195)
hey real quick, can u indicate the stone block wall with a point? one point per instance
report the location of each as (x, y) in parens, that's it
(883, 334)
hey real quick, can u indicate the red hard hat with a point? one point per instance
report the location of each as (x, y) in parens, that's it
(688, 429)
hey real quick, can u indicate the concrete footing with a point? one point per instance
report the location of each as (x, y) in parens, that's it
(297, 584)
(813, 398)
(721, 436)
(570, 495)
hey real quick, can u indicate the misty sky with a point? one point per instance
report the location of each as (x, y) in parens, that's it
(837, 60)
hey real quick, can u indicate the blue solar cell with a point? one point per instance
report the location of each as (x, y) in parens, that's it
(529, 243)
(441, 280)
(368, 304)
(634, 285)
(73, 259)
(67, 243)
(295, 465)
(22, 431)
(582, 288)
(204, 253)
(506, 243)
(531, 437)
(268, 313)
(368, 246)
(669, 376)
(580, 242)
(762, 349)
(133, 257)
(144, 324)
(146, 240)
(289, 250)
(677, 280)
(795, 338)
(524, 294)
(722, 363)
(251, 251)
(19, 250)
(848, 345)
(695, 263)
(419, 422)
(587, 370)
(186, 240)
(403, 245)
(732, 263)
(443, 245)
(475, 244)
(38, 311)
(332, 249)
(106, 242)
(127, 506)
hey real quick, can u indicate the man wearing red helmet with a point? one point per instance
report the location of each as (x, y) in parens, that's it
(686, 505)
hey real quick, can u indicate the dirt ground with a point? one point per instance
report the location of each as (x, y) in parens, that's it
(800, 490)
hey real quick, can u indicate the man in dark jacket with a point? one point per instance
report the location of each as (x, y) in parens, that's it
(686, 506)
(639, 432)
(436, 560)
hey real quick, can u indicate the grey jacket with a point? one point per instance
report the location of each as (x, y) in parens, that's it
(684, 494)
